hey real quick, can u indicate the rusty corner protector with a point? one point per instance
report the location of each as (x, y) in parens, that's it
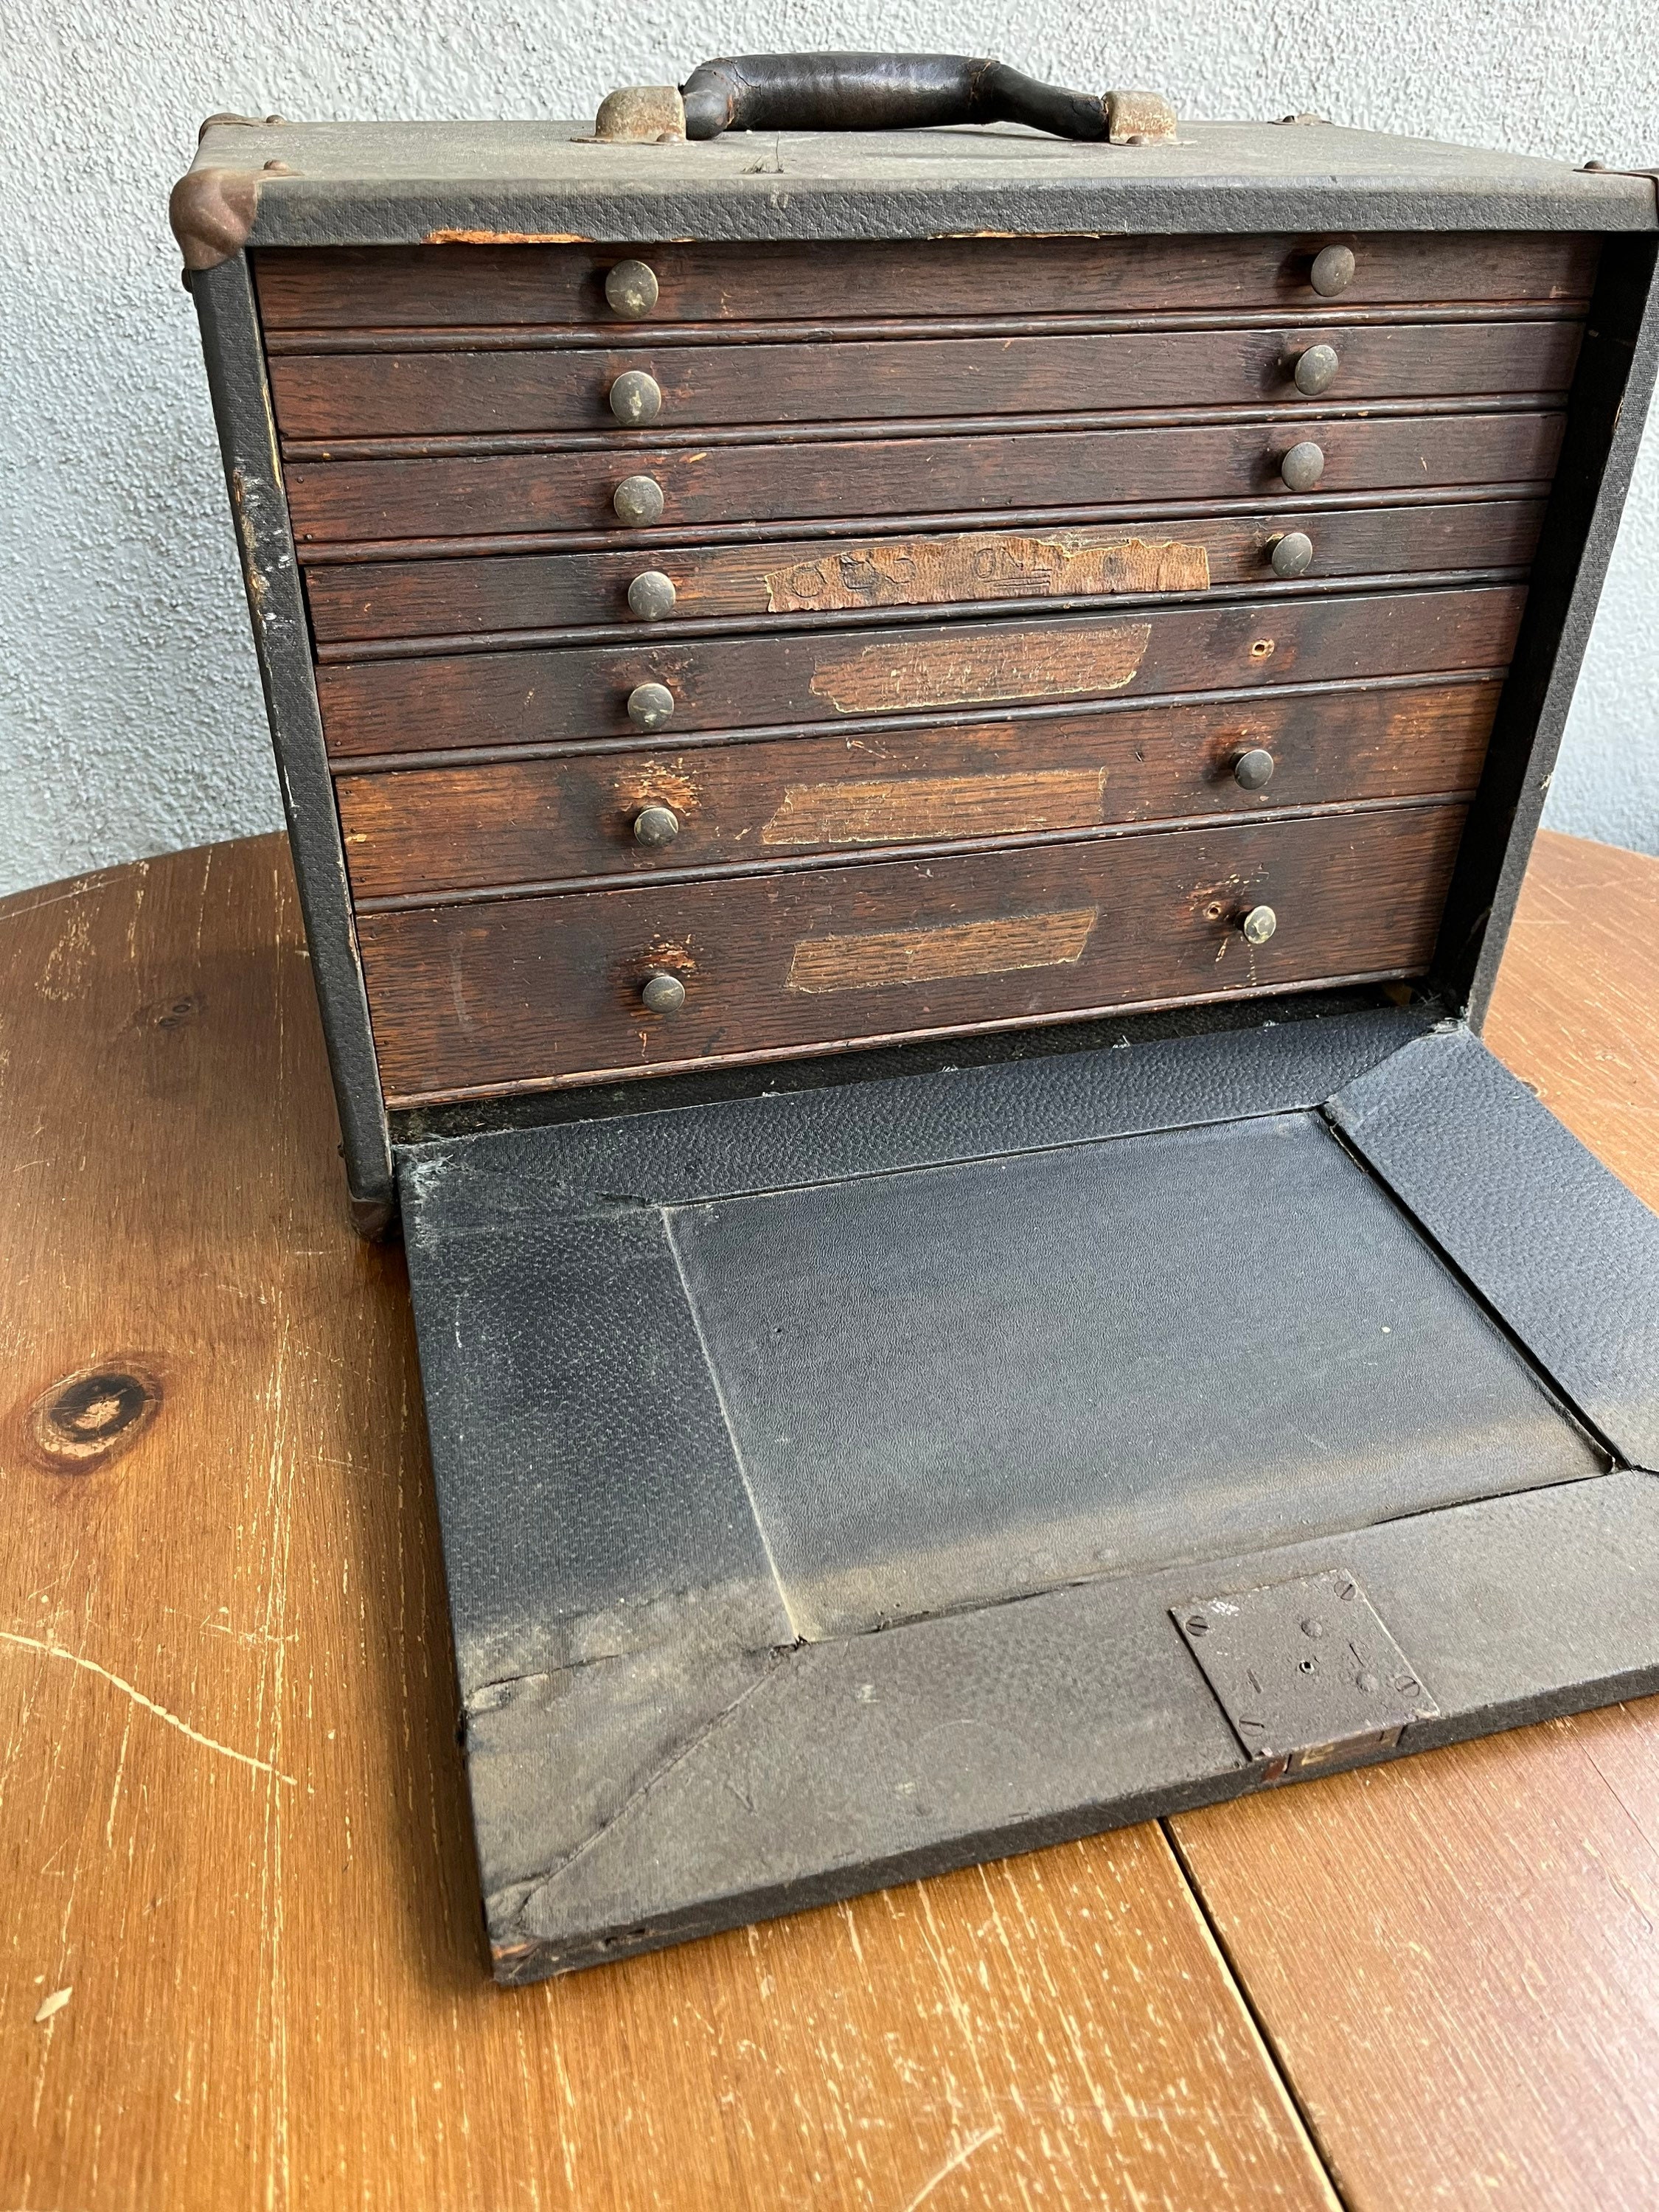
(212, 212)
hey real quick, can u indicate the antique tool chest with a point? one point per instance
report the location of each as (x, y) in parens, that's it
(908, 754)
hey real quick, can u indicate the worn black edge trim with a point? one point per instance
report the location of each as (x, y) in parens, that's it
(241, 407)
(1605, 411)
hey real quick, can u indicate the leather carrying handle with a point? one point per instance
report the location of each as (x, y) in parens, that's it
(879, 91)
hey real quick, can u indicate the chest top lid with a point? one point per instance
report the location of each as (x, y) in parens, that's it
(276, 183)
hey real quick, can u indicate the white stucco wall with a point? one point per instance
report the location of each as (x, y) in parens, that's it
(129, 713)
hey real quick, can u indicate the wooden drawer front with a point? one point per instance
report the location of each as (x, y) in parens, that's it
(545, 390)
(805, 677)
(463, 285)
(354, 602)
(419, 831)
(544, 990)
(519, 493)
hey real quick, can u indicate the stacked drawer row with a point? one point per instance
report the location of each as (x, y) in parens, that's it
(733, 652)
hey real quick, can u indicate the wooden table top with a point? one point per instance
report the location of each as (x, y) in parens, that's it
(241, 1963)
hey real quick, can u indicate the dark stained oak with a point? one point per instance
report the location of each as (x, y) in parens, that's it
(478, 280)
(234, 1826)
(527, 992)
(827, 678)
(480, 496)
(359, 602)
(416, 831)
(392, 395)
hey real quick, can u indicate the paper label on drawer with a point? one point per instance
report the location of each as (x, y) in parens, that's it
(986, 564)
(882, 811)
(897, 673)
(932, 955)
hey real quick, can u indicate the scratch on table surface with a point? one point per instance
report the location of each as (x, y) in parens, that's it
(957, 2158)
(148, 1704)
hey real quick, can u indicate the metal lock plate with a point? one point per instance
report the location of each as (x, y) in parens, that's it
(1305, 1671)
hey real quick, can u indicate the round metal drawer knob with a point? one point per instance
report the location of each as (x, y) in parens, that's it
(631, 289)
(638, 501)
(1304, 466)
(663, 994)
(1332, 271)
(650, 705)
(1293, 554)
(1253, 771)
(652, 596)
(1315, 371)
(1259, 925)
(656, 825)
(636, 398)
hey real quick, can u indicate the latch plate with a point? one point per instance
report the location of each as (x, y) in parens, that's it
(1306, 1672)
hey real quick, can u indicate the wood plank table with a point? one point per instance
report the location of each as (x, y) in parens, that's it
(240, 1956)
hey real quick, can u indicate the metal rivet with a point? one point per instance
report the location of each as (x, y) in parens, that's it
(1292, 554)
(663, 994)
(1316, 370)
(1253, 771)
(1366, 1683)
(1304, 466)
(636, 398)
(1314, 1628)
(1332, 271)
(631, 289)
(1259, 925)
(650, 705)
(638, 501)
(652, 596)
(656, 825)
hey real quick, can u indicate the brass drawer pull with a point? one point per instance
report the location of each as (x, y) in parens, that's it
(631, 289)
(656, 825)
(1259, 925)
(637, 398)
(650, 705)
(1332, 271)
(638, 501)
(1253, 771)
(1303, 467)
(663, 994)
(1292, 554)
(1315, 371)
(651, 595)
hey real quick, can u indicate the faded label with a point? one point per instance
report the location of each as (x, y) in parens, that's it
(987, 565)
(936, 806)
(899, 672)
(930, 956)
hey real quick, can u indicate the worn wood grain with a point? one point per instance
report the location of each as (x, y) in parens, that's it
(553, 286)
(233, 1828)
(503, 593)
(1456, 1957)
(492, 495)
(521, 992)
(806, 678)
(431, 394)
(413, 832)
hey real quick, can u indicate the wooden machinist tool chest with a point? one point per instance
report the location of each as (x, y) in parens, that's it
(908, 753)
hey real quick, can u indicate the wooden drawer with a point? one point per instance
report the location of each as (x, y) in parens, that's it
(354, 602)
(385, 394)
(492, 494)
(529, 992)
(414, 832)
(804, 677)
(461, 285)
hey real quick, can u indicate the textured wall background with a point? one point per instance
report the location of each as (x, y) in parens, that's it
(132, 714)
